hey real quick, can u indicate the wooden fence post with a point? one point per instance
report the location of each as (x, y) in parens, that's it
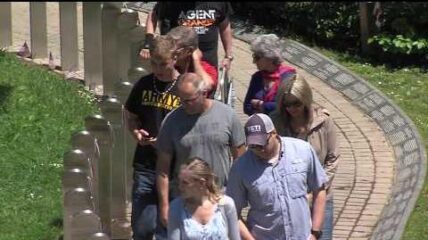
(109, 18)
(92, 46)
(68, 35)
(38, 29)
(5, 24)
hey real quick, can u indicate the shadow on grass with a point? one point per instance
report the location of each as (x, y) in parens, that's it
(57, 223)
(4, 94)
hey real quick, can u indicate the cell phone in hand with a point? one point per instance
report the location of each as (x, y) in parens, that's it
(150, 138)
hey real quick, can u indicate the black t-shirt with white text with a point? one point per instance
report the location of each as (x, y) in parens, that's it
(151, 106)
(203, 17)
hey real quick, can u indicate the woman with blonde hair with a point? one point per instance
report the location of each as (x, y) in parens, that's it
(201, 211)
(297, 116)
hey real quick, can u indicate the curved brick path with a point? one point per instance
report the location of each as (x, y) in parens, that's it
(363, 182)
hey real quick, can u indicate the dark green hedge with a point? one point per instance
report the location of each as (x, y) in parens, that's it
(403, 32)
(324, 23)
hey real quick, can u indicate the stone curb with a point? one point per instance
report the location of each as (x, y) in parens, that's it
(410, 155)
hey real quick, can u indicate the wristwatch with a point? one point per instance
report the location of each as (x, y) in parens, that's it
(317, 234)
(230, 57)
(148, 40)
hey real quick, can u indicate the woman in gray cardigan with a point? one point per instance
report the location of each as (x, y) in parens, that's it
(201, 211)
(296, 116)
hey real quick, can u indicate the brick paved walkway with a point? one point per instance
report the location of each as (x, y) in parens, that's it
(363, 181)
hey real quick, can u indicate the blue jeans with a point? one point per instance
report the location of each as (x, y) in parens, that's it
(144, 217)
(327, 229)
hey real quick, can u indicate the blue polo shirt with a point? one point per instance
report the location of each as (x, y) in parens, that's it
(276, 192)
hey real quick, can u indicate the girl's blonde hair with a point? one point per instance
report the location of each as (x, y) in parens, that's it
(298, 87)
(201, 170)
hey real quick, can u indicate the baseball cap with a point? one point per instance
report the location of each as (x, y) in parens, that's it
(257, 129)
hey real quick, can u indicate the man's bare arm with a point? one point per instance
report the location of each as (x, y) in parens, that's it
(243, 230)
(196, 57)
(134, 126)
(319, 199)
(132, 121)
(151, 23)
(162, 181)
(238, 151)
(226, 39)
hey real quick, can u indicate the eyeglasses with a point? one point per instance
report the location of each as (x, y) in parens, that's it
(296, 104)
(256, 57)
(260, 147)
(162, 63)
(189, 100)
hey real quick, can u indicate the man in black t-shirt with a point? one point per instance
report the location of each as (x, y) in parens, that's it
(150, 100)
(207, 18)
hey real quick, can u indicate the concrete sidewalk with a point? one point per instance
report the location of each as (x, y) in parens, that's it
(366, 170)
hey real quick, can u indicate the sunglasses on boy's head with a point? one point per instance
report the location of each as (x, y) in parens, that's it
(295, 103)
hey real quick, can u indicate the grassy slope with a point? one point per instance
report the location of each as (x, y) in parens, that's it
(408, 88)
(38, 113)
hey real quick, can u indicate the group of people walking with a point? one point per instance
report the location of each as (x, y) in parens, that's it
(196, 168)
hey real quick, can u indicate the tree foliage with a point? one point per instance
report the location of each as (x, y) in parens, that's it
(402, 32)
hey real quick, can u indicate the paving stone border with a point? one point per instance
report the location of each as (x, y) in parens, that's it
(410, 155)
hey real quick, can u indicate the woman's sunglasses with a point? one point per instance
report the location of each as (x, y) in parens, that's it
(296, 104)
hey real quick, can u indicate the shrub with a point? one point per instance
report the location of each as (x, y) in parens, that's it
(402, 33)
(403, 36)
(400, 44)
(324, 23)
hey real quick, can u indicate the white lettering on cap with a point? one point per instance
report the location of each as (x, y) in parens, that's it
(255, 128)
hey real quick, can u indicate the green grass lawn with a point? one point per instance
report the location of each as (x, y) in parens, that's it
(38, 113)
(408, 88)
